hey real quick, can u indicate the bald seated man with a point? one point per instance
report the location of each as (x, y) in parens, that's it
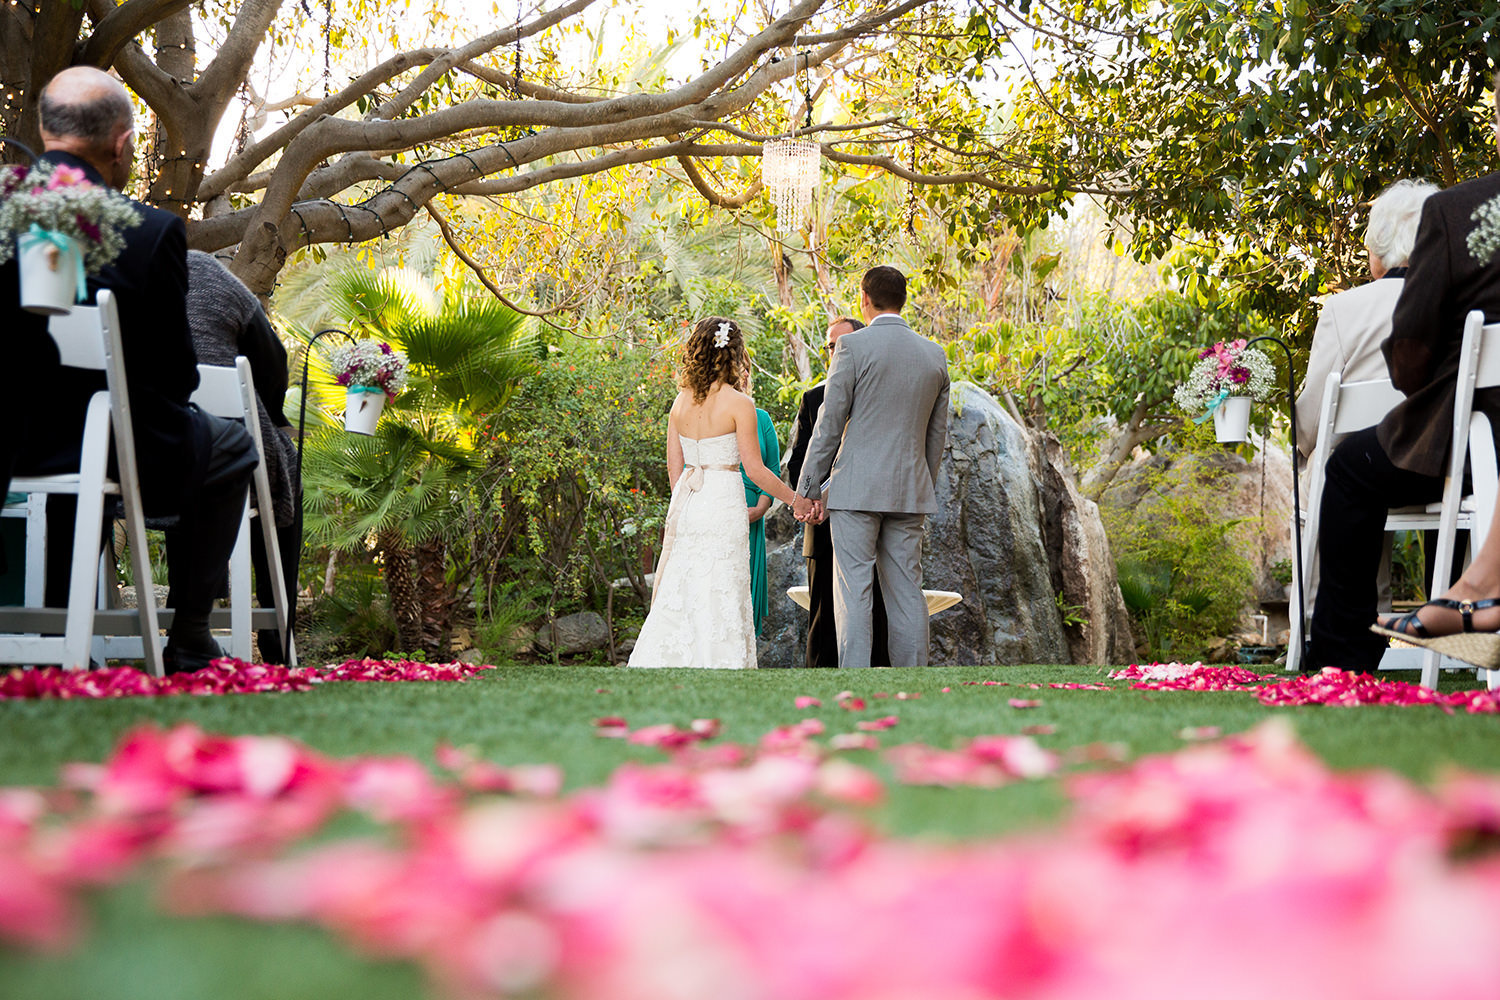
(195, 468)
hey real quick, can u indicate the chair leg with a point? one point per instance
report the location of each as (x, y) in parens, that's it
(240, 594)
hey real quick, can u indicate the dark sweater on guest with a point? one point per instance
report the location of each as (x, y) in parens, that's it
(226, 320)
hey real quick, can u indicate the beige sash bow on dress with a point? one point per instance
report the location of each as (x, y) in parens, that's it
(690, 482)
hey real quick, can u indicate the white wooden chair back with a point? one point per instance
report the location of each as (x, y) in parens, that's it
(230, 393)
(89, 338)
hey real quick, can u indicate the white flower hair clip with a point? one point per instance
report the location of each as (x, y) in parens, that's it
(721, 339)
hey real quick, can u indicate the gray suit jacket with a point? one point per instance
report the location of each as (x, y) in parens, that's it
(880, 434)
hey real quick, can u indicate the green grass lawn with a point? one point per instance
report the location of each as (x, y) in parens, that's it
(536, 714)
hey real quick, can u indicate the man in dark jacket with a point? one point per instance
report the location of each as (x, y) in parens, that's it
(194, 468)
(817, 539)
(1402, 460)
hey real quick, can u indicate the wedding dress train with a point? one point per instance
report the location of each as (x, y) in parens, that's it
(701, 614)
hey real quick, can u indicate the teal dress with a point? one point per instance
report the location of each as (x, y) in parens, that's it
(770, 455)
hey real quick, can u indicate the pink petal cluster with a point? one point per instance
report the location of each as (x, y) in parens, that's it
(226, 676)
(1189, 677)
(747, 875)
(1332, 686)
(983, 762)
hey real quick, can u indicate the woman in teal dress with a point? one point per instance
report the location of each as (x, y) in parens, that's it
(757, 503)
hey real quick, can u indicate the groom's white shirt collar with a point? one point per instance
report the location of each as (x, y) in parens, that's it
(884, 315)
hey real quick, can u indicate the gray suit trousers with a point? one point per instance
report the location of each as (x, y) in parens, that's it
(870, 542)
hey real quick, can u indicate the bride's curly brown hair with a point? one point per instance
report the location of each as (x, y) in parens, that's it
(701, 364)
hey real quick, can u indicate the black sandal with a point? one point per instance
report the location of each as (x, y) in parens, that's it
(1466, 609)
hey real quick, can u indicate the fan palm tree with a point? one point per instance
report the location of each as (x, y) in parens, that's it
(399, 489)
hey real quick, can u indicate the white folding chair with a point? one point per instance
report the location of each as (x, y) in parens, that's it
(230, 392)
(34, 510)
(1353, 406)
(89, 338)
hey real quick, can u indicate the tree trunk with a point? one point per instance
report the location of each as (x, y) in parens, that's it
(1122, 443)
(37, 38)
(433, 600)
(402, 589)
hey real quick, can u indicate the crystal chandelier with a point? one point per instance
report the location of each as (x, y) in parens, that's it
(789, 168)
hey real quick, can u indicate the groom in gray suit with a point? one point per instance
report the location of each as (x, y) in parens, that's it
(881, 433)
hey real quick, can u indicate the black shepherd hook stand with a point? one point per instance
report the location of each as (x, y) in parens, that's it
(6, 140)
(302, 406)
(1291, 405)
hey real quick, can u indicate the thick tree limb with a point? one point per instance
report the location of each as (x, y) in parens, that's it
(122, 24)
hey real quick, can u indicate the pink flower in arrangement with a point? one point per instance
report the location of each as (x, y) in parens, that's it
(65, 176)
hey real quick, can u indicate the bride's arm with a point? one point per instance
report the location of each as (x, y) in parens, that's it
(748, 435)
(674, 451)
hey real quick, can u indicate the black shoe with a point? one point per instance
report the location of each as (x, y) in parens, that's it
(186, 660)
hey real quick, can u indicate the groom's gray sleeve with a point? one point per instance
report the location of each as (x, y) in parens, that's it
(937, 430)
(828, 432)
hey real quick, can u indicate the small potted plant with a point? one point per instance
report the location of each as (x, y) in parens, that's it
(370, 371)
(61, 227)
(1227, 378)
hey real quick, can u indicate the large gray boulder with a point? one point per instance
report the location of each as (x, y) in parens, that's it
(1012, 533)
(985, 541)
(583, 632)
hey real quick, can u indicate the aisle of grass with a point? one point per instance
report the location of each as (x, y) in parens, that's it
(533, 714)
(518, 715)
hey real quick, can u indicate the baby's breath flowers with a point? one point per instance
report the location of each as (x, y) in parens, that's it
(1224, 370)
(372, 364)
(62, 200)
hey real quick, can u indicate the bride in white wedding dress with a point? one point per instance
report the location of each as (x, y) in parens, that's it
(700, 607)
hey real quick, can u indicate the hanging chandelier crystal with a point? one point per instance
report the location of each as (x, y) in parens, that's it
(789, 169)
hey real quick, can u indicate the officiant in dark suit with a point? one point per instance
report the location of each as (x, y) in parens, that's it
(817, 539)
(1403, 459)
(194, 468)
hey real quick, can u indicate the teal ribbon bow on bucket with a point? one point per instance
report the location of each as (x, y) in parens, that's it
(365, 388)
(66, 245)
(1213, 404)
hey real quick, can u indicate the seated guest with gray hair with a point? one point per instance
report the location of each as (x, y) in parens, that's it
(227, 321)
(1354, 323)
(194, 467)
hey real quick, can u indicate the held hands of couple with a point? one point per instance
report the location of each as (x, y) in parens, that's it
(807, 510)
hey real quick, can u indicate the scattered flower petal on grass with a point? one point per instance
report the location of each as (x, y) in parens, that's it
(224, 676)
(876, 725)
(854, 741)
(760, 872)
(1025, 703)
(807, 701)
(1332, 686)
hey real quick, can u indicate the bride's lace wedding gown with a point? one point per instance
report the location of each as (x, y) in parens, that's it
(700, 609)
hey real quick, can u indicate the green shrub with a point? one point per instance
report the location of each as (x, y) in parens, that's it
(1183, 578)
(353, 621)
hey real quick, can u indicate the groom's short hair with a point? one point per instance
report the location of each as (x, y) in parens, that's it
(885, 287)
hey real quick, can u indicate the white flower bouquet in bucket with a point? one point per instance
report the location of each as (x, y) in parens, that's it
(62, 227)
(1227, 378)
(370, 371)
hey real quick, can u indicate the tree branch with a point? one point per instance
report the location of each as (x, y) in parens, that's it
(484, 279)
(453, 57)
(713, 197)
(120, 25)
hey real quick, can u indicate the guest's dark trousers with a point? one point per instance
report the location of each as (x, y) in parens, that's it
(289, 545)
(822, 633)
(198, 544)
(1360, 486)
